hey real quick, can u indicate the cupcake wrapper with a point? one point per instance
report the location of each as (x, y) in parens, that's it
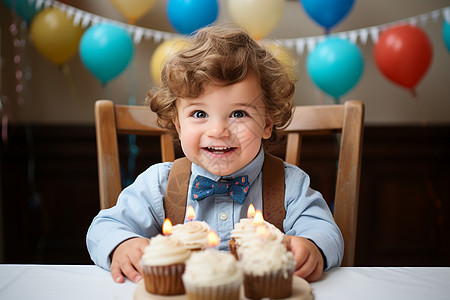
(274, 285)
(164, 280)
(229, 291)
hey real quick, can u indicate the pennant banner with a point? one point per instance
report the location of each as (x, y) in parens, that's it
(362, 35)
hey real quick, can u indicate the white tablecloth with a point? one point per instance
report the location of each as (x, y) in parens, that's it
(66, 282)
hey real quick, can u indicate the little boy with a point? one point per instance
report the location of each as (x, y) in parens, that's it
(223, 97)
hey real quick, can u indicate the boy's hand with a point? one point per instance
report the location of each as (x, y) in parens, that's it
(125, 259)
(308, 257)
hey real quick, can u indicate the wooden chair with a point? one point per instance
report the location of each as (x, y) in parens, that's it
(111, 120)
(346, 119)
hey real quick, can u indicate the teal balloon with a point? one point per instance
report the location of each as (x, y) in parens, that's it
(26, 9)
(187, 16)
(335, 66)
(106, 50)
(446, 34)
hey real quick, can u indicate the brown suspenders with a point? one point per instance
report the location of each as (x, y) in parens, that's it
(273, 190)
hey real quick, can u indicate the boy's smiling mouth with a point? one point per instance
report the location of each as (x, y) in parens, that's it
(219, 150)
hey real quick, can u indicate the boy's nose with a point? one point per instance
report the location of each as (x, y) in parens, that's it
(218, 129)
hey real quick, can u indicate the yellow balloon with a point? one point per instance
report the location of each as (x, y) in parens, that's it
(55, 36)
(284, 56)
(162, 53)
(258, 17)
(133, 9)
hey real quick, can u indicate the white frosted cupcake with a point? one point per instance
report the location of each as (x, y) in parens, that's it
(193, 235)
(245, 230)
(268, 269)
(212, 275)
(163, 263)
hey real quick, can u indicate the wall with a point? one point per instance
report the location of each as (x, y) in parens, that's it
(50, 101)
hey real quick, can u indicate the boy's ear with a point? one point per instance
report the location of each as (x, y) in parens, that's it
(268, 128)
(177, 124)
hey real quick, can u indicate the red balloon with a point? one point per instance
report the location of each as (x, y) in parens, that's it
(403, 54)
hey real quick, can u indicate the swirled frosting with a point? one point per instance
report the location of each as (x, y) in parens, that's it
(164, 250)
(259, 257)
(212, 268)
(193, 235)
(245, 230)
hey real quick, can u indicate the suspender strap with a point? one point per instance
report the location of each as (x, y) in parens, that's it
(273, 190)
(177, 190)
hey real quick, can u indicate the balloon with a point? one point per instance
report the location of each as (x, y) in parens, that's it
(335, 66)
(106, 50)
(284, 56)
(133, 9)
(26, 9)
(446, 34)
(162, 53)
(258, 17)
(54, 35)
(327, 13)
(403, 54)
(187, 16)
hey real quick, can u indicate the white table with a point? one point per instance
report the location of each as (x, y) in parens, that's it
(57, 282)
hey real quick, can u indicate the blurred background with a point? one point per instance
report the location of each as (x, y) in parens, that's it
(49, 192)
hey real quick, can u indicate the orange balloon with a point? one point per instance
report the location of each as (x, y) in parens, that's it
(55, 36)
(403, 54)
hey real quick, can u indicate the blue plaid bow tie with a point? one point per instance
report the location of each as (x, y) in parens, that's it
(237, 188)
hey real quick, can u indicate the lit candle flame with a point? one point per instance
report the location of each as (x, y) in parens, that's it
(167, 227)
(258, 219)
(213, 239)
(251, 211)
(190, 214)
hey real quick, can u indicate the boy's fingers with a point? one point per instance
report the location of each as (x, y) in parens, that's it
(315, 275)
(136, 261)
(116, 273)
(129, 270)
(306, 269)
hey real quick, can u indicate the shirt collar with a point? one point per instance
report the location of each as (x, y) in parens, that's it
(252, 170)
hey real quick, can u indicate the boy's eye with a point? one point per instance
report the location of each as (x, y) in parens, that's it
(238, 114)
(199, 114)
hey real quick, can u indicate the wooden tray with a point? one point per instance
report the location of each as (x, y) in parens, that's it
(301, 290)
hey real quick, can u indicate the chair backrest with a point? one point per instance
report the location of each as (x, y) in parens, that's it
(111, 120)
(346, 119)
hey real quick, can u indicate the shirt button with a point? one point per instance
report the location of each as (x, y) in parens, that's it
(223, 216)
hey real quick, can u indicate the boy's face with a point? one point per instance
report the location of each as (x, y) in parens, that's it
(221, 130)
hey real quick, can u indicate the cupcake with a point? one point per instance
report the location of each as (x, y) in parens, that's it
(268, 269)
(212, 275)
(163, 263)
(193, 234)
(245, 230)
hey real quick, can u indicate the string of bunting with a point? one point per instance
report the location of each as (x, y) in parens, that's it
(361, 35)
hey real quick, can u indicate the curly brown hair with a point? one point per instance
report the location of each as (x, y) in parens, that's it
(222, 55)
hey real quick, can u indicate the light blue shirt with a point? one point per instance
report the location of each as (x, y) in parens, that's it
(140, 211)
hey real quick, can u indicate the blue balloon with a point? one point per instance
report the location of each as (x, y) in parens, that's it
(187, 16)
(446, 34)
(327, 13)
(106, 50)
(24, 8)
(335, 66)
